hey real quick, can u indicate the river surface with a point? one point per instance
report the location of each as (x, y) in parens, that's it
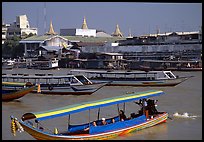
(183, 98)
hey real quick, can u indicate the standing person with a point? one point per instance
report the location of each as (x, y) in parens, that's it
(122, 115)
(145, 108)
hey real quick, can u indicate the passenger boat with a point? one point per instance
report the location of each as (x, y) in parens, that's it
(58, 84)
(8, 64)
(44, 64)
(31, 122)
(12, 90)
(134, 78)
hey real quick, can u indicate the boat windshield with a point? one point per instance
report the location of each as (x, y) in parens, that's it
(170, 74)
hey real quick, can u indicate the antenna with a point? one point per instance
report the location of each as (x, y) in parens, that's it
(45, 17)
(37, 19)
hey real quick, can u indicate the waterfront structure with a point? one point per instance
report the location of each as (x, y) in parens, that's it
(21, 27)
(50, 39)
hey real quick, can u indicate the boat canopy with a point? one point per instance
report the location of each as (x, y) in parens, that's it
(13, 83)
(90, 105)
(112, 72)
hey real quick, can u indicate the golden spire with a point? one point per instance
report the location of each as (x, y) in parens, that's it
(84, 25)
(51, 30)
(117, 32)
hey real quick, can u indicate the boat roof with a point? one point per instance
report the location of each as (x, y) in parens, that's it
(39, 76)
(116, 72)
(90, 105)
(113, 72)
(13, 83)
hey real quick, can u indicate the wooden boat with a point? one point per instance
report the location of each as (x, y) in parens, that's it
(32, 122)
(59, 84)
(12, 90)
(134, 78)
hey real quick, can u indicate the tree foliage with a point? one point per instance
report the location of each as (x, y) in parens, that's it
(11, 48)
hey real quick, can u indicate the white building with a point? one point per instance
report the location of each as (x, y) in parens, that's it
(4, 32)
(21, 27)
(84, 31)
(78, 32)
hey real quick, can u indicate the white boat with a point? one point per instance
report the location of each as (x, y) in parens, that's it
(44, 64)
(8, 64)
(133, 78)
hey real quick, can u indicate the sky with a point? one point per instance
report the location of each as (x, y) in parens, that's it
(137, 18)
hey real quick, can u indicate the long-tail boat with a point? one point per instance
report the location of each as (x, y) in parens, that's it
(13, 90)
(31, 122)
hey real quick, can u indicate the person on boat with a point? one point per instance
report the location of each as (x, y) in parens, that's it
(122, 115)
(94, 124)
(151, 106)
(139, 103)
(113, 120)
(144, 107)
(103, 121)
(132, 115)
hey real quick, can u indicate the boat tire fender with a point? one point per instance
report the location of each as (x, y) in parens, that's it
(50, 87)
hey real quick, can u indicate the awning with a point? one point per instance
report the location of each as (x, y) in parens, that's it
(90, 105)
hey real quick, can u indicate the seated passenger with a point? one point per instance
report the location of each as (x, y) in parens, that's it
(94, 124)
(103, 121)
(132, 115)
(113, 120)
(122, 115)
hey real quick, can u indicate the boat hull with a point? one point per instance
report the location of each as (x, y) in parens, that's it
(16, 94)
(70, 90)
(40, 135)
(145, 83)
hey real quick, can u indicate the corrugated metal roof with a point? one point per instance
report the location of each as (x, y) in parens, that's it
(72, 38)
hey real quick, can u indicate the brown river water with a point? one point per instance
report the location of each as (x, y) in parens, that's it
(183, 98)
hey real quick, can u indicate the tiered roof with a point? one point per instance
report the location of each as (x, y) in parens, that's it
(84, 25)
(117, 32)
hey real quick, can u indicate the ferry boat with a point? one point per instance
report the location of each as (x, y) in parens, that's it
(133, 78)
(58, 84)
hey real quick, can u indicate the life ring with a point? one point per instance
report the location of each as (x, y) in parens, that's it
(50, 87)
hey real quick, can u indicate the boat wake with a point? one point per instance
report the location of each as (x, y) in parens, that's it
(184, 115)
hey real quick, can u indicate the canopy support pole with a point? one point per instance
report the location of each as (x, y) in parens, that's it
(98, 113)
(89, 118)
(68, 121)
(124, 107)
(118, 110)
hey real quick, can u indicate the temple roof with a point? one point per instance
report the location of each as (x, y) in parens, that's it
(117, 32)
(84, 25)
(51, 30)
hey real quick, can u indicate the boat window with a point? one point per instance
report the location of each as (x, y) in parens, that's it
(170, 75)
(73, 80)
(83, 79)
